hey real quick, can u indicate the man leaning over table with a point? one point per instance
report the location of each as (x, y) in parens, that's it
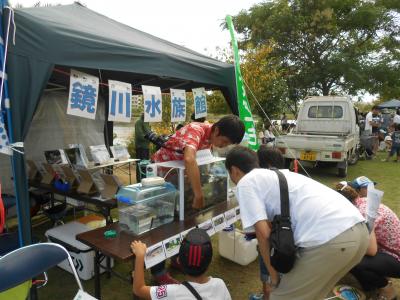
(183, 145)
(330, 233)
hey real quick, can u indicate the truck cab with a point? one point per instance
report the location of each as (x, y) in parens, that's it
(327, 132)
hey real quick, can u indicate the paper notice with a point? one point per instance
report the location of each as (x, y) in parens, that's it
(374, 198)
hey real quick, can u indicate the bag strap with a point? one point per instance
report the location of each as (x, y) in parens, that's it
(284, 191)
(192, 290)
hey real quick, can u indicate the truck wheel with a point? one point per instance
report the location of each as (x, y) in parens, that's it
(353, 157)
(342, 171)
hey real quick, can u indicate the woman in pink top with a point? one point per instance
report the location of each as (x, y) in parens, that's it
(382, 259)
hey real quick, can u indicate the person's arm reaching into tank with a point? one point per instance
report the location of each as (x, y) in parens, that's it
(193, 173)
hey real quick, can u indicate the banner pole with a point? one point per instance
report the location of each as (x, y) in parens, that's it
(243, 103)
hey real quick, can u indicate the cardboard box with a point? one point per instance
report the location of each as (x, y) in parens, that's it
(48, 176)
(111, 186)
(70, 177)
(33, 173)
(86, 185)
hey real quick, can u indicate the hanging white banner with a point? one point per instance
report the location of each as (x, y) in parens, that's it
(152, 103)
(200, 103)
(4, 142)
(178, 105)
(83, 95)
(119, 101)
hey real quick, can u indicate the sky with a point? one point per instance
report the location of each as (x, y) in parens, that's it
(194, 24)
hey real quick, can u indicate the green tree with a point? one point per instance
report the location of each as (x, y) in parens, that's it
(327, 46)
(216, 104)
(265, 82)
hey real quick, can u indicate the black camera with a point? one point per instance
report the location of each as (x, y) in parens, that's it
(158, 140)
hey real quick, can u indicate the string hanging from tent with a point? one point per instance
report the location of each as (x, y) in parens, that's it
(133, 90)
(296, 162)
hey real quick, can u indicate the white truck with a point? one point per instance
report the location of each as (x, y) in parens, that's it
(326, 132)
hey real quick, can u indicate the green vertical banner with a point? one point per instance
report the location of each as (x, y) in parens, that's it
(243, 103)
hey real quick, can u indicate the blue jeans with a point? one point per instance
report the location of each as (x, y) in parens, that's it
(264, 274)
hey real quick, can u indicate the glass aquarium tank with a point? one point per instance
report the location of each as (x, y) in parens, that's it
(214, 184)
(144, 208)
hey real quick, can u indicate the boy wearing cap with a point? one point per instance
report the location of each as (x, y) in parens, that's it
(195, 256)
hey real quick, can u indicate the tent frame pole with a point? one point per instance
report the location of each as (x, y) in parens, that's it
(17, 160)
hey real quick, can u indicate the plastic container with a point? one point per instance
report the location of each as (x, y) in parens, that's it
(82, 255)
(144, 208)
(234, 246)
(61, 186)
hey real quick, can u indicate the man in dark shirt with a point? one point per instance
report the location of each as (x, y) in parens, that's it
(395, 144)
(142, 145)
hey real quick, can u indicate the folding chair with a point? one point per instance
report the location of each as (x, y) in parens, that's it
(23, 264)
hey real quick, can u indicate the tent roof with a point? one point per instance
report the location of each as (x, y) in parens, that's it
(394, 103)
(73, 35)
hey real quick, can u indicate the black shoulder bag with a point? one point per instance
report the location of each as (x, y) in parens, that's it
(192, 290)
(283, 249)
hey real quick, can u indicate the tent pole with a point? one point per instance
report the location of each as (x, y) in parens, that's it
(17, 160)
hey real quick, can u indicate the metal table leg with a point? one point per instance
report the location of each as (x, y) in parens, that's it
(129, 171)
(97, 290)
(108, 263)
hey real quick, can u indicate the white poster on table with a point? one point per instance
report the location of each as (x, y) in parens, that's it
(172, 245)
(178, 105)
(219, 222)
(200, 103)
(83, 95)
(154, 255)
(119, 101)
(207, 226)
(152, 103)
(230, 217)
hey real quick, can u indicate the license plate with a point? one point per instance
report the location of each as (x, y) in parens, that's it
(308, 156)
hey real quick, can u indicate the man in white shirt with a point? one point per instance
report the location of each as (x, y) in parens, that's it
(195, 255)
(370, 122)
(328, 230)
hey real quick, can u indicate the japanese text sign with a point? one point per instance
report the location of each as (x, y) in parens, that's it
(152, 103)
(200, 103)
(83, 94)
(178, 105)
(119, 104)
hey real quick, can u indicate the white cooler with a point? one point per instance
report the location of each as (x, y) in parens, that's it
(82, 255)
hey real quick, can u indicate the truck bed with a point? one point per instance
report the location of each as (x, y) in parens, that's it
(322, 145)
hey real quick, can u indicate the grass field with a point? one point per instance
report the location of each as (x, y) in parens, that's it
(240, 280)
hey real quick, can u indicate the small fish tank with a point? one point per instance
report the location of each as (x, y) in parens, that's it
(144, 208)
(214, 184)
